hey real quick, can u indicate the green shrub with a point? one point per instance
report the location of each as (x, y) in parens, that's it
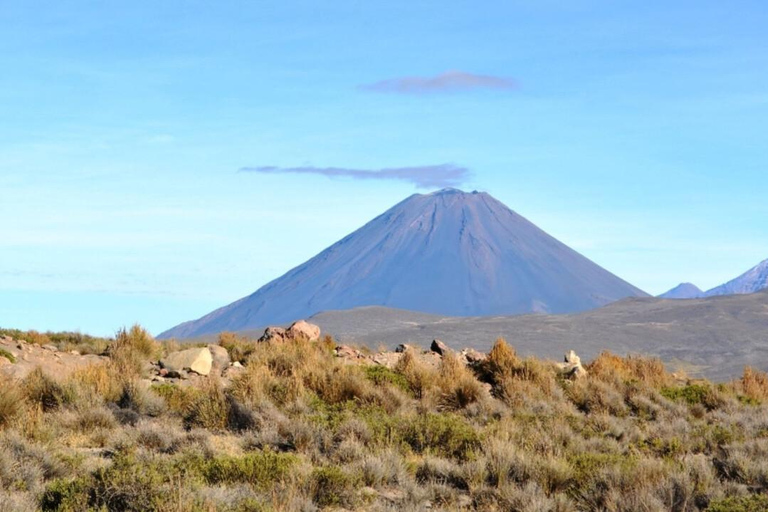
(587, 465)
(179, 400)
(209, 408)
(383, 376)
(260, 469)
(66, 495)
(692, 394)
(332, 486)
(4, 353)
(752, 503)
(127, 485)
(442, 434)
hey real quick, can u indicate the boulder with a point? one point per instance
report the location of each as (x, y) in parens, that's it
(403, 348)
(472, 356)
(439, 347)
(572, 368)
(302, 329)
(220, 357)
(274, 334)
(347, 352)
(198, 360)
(298, 330)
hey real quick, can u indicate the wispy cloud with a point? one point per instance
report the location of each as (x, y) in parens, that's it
(427, 176)
(450, 81)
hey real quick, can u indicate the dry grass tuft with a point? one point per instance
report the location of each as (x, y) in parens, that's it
(753, 385)
(132, 349)
(421, 378)
(615, 369)
(11, 401)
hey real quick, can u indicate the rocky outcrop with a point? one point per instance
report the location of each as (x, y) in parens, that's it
(300, 330)
(572, 368)
(438, 347)
(304, 330)
(55, 363)
(220, 358)
(273, 335)
(472, 356)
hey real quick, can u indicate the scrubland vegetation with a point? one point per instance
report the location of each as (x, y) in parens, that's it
(300, 429)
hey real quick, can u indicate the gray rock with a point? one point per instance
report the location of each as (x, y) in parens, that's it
(472, 356)
(220, 357)
(302, 329)
(439, 347)
(572, 368)
(273, 335)
(198, 360)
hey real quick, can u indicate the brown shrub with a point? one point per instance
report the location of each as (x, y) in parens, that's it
(595, 396)
(420, 378)
(753, 384)
(97, 381)
(458, 386)
(611, 368)
(132, 349)
(501, 362)
(41, 389)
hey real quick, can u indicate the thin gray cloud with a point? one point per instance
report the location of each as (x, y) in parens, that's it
(450, 81)
(427, 176)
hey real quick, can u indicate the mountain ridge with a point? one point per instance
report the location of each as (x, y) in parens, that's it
(753, 280)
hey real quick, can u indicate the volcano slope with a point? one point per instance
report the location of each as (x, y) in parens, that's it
(448, 253)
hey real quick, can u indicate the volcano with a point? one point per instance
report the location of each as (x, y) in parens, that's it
(450, 252)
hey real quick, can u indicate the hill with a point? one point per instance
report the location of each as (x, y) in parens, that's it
(714, 337)
(683, 291)
(448, 253)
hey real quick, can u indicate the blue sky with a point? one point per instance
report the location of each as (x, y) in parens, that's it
(636, 132)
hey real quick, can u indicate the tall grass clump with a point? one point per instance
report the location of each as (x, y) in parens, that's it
(41, 389)
(132, 349)
(238, 347)
(11, 400)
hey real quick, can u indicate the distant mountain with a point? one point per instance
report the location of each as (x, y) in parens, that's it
(449, 253)
(683, 291)
(753, 280)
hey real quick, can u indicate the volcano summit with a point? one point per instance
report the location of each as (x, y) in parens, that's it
(449, 252)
